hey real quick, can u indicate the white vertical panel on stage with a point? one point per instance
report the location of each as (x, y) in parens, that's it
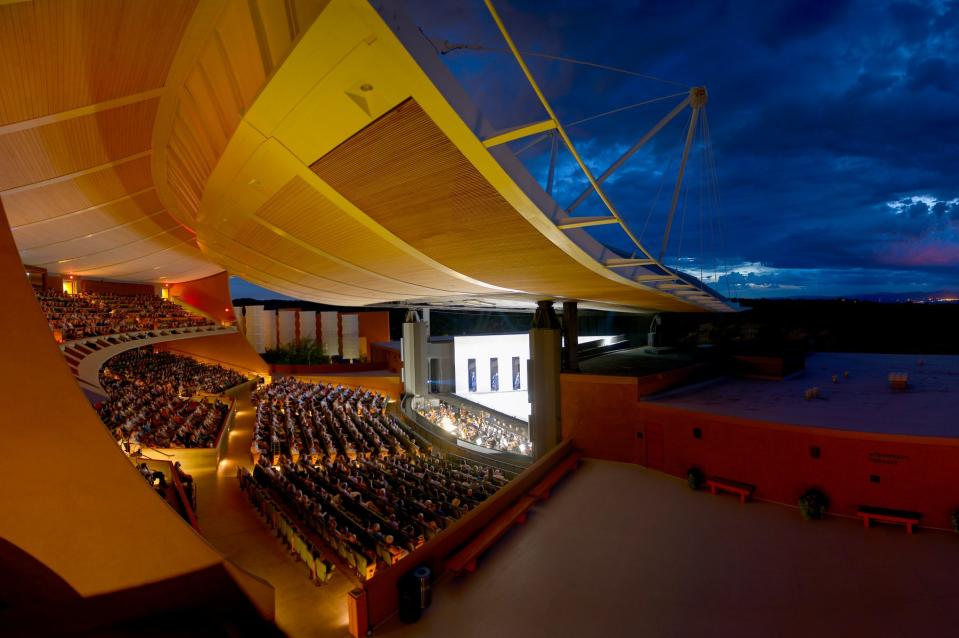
(286, 319)
(351, 336)
(240, 318)
(269, 329)
(254, 327)
(330, 333)
(265, 330)
(307, 324)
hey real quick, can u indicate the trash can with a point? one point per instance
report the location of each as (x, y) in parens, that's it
(422, 575)
(415, 594)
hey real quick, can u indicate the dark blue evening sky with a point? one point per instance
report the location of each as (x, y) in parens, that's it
(834, 127)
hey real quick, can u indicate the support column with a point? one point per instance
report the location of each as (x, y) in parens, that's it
(543, 375)
(415, 354)
(570, 336)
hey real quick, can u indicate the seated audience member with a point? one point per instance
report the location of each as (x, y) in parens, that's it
(153, 399)
(366, 487)
(84, 315)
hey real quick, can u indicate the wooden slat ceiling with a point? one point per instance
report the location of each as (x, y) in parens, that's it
(402, 171)
(326, 233)
(80, 83)
(163, 140)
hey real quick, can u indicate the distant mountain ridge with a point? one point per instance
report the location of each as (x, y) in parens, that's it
(882, 297)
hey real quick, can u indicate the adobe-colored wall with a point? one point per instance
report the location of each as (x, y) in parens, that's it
(602, 415)
(210, 294)
(388, 356)
(54, 282)
(114, 288)
(325, 368)
(769, 367)
(915, 473)
(601, 412)
(375, 326)
(229, 350)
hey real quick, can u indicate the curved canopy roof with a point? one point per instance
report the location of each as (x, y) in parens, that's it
(316, 148)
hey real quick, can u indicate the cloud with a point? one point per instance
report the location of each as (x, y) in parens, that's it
(821, 114)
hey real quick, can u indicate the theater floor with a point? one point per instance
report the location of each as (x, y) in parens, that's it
(624, 551)
(231, 525)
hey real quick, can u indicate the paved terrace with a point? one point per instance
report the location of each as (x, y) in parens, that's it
(622, 552)
(862, 402)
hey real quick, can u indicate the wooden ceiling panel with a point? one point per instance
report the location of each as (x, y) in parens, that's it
(331, 275)
(68, 146)
(48, 201)
(118, 255)
(87, 221)
(407, 175)
(178, 263)
(93, 243)
(283, 276)
(59, 55)
(307, 215)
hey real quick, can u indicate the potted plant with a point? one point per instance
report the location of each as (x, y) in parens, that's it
(813, 504)
(695, 478)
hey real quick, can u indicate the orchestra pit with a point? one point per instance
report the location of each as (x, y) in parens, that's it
(179, 460)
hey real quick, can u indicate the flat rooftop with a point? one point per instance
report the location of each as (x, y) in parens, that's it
(863, 402)
(635, 362)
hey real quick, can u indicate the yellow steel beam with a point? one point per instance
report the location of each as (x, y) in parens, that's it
(627, 263)
(560, 129)
(582, 222)
(519, 132)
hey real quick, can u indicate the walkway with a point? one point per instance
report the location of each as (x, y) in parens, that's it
(230, 524)
(624, 551)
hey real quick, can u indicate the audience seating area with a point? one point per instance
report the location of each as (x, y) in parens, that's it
(152, 400)
(290, 534)
(477, 428)
(85, 315)
(354, 476)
